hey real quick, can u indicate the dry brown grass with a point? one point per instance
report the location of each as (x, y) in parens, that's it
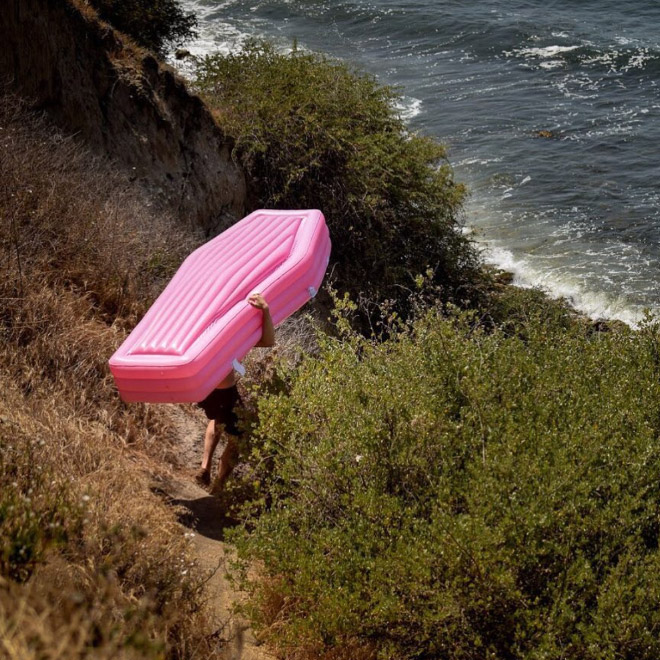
(115, 577)
(82, 257)
(126, 51)
(92, 564)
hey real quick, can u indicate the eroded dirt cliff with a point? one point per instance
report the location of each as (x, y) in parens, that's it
(123, 102)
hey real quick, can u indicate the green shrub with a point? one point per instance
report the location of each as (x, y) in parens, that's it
(155, 24)
(313, 133)
(457, 493)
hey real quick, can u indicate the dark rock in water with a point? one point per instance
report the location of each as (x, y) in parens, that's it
(502, 179)
(608, 325)
(548, 135)
(600, 325)
(504, 277)
(182, 53)
(123, 102)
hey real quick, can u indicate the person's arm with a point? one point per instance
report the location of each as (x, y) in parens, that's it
(267, 328)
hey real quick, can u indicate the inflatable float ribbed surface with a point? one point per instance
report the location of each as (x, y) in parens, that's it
(202, 323)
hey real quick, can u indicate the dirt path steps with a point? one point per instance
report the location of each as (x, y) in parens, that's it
(204, 516)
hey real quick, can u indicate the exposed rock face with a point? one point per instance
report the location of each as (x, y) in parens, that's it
(123, 102)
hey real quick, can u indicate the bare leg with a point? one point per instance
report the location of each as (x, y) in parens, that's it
(211, 439)
(227, 463)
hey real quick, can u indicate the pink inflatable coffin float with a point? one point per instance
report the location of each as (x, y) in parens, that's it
(201, 325)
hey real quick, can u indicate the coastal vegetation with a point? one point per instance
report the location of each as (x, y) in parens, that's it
(312, 132)
(461, 491)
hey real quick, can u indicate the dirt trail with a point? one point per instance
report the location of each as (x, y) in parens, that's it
(204, 515)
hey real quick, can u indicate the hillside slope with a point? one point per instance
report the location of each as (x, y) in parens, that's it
(93, 561)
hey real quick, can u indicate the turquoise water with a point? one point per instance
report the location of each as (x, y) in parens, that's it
(577, 212)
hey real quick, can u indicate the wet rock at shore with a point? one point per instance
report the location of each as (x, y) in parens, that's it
(547, 135)
(608, 325)
(503, 277)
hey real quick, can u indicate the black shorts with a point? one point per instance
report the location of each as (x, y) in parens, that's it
(220, 405)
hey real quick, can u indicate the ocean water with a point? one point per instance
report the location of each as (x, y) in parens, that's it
(550, 110)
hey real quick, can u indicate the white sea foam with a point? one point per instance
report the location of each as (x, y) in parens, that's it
(638, 60)
(616, 59)
(214, 35)
(409, 107)
(561, 285)
(476, 160)
(547, 52)
(623, 41)
(551, 64)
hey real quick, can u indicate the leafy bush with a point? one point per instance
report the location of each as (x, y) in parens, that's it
(514, 310)
(458, 493)
(313, 133)
(155, 24)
